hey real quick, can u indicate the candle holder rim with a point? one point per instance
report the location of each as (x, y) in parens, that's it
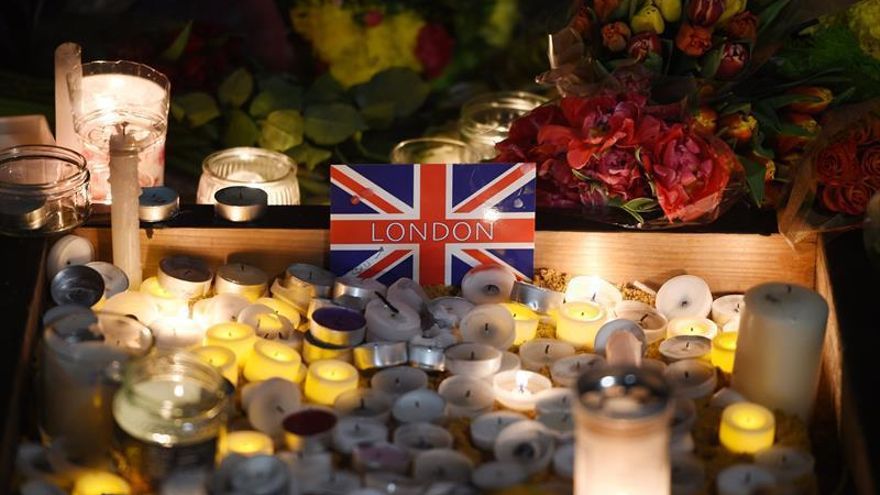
(212, 160)
(148, 72)
(608, 377)
(49, 152)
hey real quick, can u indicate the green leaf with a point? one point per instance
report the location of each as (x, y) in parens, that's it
(332, 123)
(273, 99)
(241, 130)
(768, 15)
(786, 100)
(325, 89)
(198, 108)
(711, 61)
(794, 130)
(379, 115)
(236, 88)
(758, 145)
(282, 130)
(640, 205)
(175, 50)
(731, 108)
(401, 87)
(843, 96)
(754, 178)
(308, 155)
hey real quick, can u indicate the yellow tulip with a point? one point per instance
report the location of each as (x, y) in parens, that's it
(648, 19)
(669, 9)
(731, 8)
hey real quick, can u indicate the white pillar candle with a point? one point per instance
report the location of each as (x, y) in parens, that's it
(352, 431)
(540, 353)
(466, 396)
(408, 292)
(418, 437)
(652, 321)
(527, 443)
(68, 57)
(518, 389)
(563, 461)
(218, 309)
(124, 221)
(496, 475)
(176, 333)
(747, 428)
(526, 322)
(396, 381)
(186, 277)
(448, 311)
(134, 303)
(267, 323)
(271, 359)
(578, 322)
(241, 279)
(438, 465)
(387, 322)
(328, 379)
(559, 423)
(788, 464)
(422, 405)
(684, 296)
(779, 350)
(590, 288)
(473, 359)
(484, 429)
(685, 347)
(691, 378)
(169, 304)
(486, 284)
(363, 403)
(743, 479)
(237, 337)
(566, 371)
(490, 324)
(221, 359)
(269, 402)
(688, 475)
(725, 308)
(554, 400)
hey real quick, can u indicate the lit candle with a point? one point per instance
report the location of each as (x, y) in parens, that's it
(578, 322)
(473, 359)
(328, 379)
(528, 444)
(724, 350)
(387, 322)
(747, 428)
(419, 437)
(247, 443)
(221, 358)
(691, 378)
(176, 333)
(308, 430)
(238, 278)
(272, 360)
(589, 288)
(396, 381)
(466, 396)
(486, 284)
(168, 303)
(268, 403)
(684, 296)
(363, 403)
(186, 277)
(490, 324)
(438, 465)
(526, 322)
(281, 308)
(685, 347)
(100, 483)
(744, 479)
(566, 371)
(422, 405)
(218, 309)
(788, 464)
(448, 311)
(496, 475)
(353, 431)
(701, 327)
(137, 304)
(237, 337)
(554, 400)
(124, 188)
(484, 429)
(270, 325)
(540, 353)
(726, 308)
(779, 349)
(518, 389)
(651, 320)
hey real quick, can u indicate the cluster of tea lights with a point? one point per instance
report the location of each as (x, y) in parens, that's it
(344, 385)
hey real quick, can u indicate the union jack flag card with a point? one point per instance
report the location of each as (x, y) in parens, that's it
(431, 222)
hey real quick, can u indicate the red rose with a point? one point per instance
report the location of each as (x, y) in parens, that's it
(642, 44)
(618, 170)
(837, 163)
(705, 12)
(870, 161)
(743, 26)
(434, 49)
(734, 57)
(693, 40)
(850, 199)
(615, 36)
(821, 99)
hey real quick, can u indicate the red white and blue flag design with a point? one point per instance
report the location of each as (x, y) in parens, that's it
(431, 222)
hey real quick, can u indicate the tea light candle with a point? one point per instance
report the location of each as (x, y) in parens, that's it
(387, 322)
(559, 423)
(685, 347)
(691, 378)
(310, 469)
(684, 416)
(788, 464)
(379, 457)
(313, 350)
(566, 371)
(115, 280)
(167, 303)
(779, 350)
(221, 358)
(653, 365)
(743, 479)
(363, 403)
(727, 307)
(100, 483)
(394, 382)
(747, 428)
(419, 437)
(688, 475)
(509, 361)
(269, 402)
(628, 350)
(426, 355)
(539, 353)
(318, 303)
(518, 389)
(473, 359)
(701, 327)
(554, 400)
(158, 204)
(484, 429)
(487, 284)
(438, 465)
(725, 397)
(578, 322)
(247, 443)
(684, 296)
(79, 285)
(270, 325)
(496, 475)
(539, 299)
(238, 278)
(563, 461)
(352, 431)
(313, 280)
(338, 326)
(589, 288)
(449, 311)
(308, 430)
(373, 355)
(176, 333)
(490, 324)
(237, 337)
(420, 405)
(272, 360)
(526, 322)
(281, 308)
(408, 292)
(365, 289)
(254, 474)
(223, 308)
(724, 351)
(466, 396)
(328, 379)
(526, 443)
(651, 320)
(240, 203)
(185, 277)
(732, 325)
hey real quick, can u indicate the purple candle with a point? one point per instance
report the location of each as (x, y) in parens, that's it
(338, 326)
(308, 430)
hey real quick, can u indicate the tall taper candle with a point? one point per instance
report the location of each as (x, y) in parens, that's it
(67, 57)
(779, 348)
(125, 191)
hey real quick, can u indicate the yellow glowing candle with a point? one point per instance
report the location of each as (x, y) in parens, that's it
(746, 428)
(100, 483)
(221, 358)
(724, 350)
(168, 303)
(272, 359)
(578, 322)
(526, 322)
(328, 379)
(702, 327)
(247, 443)
(237, 337)
(281, 308)
(301, 373)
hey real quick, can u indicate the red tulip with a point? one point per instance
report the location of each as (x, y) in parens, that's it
(734, 57)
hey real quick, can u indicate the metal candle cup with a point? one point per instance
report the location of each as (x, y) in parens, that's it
(319, 280)
(360, 288)
(537, 298)
(77, 284)
(373, 355)
(314, 350)
(426, 357)
(158, 204)
(185, 276)
(240, 204)
(241, 279)
(340, 327)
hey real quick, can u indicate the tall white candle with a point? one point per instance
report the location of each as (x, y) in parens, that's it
(779, 349)
(124, 222)
(67, 57)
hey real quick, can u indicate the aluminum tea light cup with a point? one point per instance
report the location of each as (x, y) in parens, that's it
(318, 280)
(314, 350)
(77, 284)
(158, 204)
(185, 276)
(115, 280)
(426, 356)
(537, 298)
(240, 204)
(339, 327)
(241, 279)
(376, 355)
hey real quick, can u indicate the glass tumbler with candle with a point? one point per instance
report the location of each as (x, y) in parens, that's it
(433, 150)
(168, 416)
(268, 170)
(486, 119)
(105, 94)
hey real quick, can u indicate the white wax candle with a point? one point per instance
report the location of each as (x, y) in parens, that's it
(490, 324)
(566, 371)
(124, 220)
(559, 423)
(563, 461)
(685, 347)
(448, 311)
(222, 308)
(788, 464)
(363, 403)
(684, 296)
(518, 389)
(176, 333)
(438, 465)
(134, 303)
(352, 431)
(496, 475)
(68, 57)
(396, 381)
(779, 349)
(688, 475)
(418, 437)
(652, 321)
(691, 378)
(743, 479)
(466, 396)
(578, 322)
(409, 292)
(484, 429)
(268, 402)
(422, 405)
(473, 359)
(527, 443)
(486, 284)
(386, 322)
(589, 288)
(555, 399)
(539, 353)
(725, 308)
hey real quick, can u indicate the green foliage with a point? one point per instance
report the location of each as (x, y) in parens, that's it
(332, 123)
(282, 130)
(236, 88)
(755, 178)
(175, 50)
(241, 130)
(198, 108)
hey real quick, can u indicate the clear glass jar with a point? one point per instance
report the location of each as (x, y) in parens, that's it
(433, 150)
(268, 170)
(168, 415)
(486, 119)
(43, 190)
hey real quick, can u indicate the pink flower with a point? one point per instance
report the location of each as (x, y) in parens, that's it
(618, 170)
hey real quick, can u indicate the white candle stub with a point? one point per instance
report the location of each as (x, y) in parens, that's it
(390, 323)
(466, 396)
(352, 431)
(485, 428)
(652, 321)
(409, 292)
(496, 475)
(396, 381)
(67, 251)
(688, 475)
(685, 347)
(566, 371)
(563, 461)
(727, 307)
(486, 284)
(744, 479)
(554, 400)
(449, 311)
(363, 403)
(691, 378)
(527, 443)
(684, 296)
(593, 289)
(788, 464)
(439, 465)
(490, 324)
(538, 353)
(268, 402)
(473, 359)
(418, 437)
(423, 405)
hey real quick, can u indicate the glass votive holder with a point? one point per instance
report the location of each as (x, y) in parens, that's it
(273, 172)
(433, 150)
(44, 190)
(486, 119)
(105, 94)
